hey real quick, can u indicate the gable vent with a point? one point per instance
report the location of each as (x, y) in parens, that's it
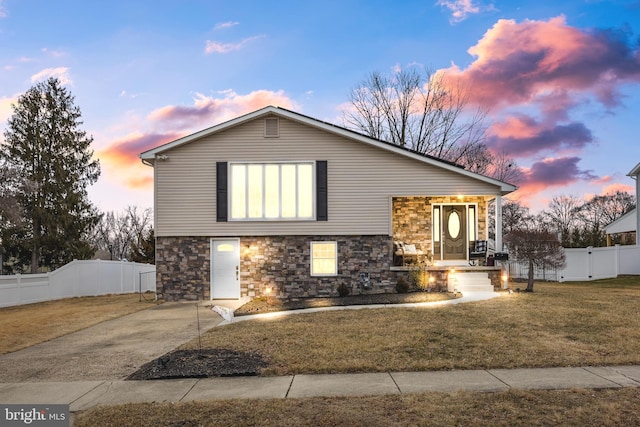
(271, 128)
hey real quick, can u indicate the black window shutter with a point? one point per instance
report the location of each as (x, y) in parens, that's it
(221, 191)
(322, 209)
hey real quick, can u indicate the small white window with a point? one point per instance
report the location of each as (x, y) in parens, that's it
(473, 236)
(324, 258)
(436, 224)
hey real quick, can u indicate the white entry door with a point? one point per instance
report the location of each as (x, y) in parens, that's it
(225, 268)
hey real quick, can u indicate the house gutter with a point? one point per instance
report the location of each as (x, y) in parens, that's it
(634, 175)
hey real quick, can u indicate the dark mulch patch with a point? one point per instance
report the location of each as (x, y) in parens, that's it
(215, 362)
(270, 304)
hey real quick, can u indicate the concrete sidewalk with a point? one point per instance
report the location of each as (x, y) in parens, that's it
(82, 395)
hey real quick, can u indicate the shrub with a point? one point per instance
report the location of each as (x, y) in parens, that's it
(402, 286)
(343, 290)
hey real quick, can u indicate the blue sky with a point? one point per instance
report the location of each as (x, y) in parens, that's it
(561, 79)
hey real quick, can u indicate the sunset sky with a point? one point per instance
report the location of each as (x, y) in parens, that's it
(561, 79)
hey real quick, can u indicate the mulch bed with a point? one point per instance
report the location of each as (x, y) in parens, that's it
(271, 304)
(217, 362)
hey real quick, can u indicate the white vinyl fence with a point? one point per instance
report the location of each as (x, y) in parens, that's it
(76, 279)
(583, 264)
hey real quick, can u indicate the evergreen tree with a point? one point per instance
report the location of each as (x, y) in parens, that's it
(44, 142)
(145, 249)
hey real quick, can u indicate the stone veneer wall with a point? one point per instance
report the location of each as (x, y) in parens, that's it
(182, 268)
(281, 264)
(440, 277)
(411, 221)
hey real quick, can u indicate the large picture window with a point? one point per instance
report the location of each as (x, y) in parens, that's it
(272, 191)
(324, 258)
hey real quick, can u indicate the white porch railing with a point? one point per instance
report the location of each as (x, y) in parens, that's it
(78, 278)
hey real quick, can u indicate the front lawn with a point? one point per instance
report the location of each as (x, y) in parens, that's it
(570, 324)
(560, 324)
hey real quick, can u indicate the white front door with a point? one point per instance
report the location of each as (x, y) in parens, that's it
(225, 268)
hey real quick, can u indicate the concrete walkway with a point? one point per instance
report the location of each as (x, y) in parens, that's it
(82, 395)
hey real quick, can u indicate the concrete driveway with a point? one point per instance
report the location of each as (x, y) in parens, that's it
(110, 350)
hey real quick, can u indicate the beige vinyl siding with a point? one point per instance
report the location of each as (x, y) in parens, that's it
(361, 179)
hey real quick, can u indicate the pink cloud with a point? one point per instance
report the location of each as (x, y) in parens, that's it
(612, 188)
(127, 149)
(120, 158)
(552, 173)
(532, 75)
(522, 136)
(207, 110)
(603, 180)
(517, 63)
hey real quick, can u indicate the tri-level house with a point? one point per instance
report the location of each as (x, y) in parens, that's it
(278, 203)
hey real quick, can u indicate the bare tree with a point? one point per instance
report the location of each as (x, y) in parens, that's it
(420, 112)
(503, 168)
(122, 233)
(516, 216)
(539, 247)
(600, 211)
(562, 216)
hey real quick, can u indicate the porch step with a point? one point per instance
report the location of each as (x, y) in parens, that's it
(473, 282)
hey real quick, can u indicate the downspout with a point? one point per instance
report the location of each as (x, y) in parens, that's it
(498, 225)
(635, 178)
